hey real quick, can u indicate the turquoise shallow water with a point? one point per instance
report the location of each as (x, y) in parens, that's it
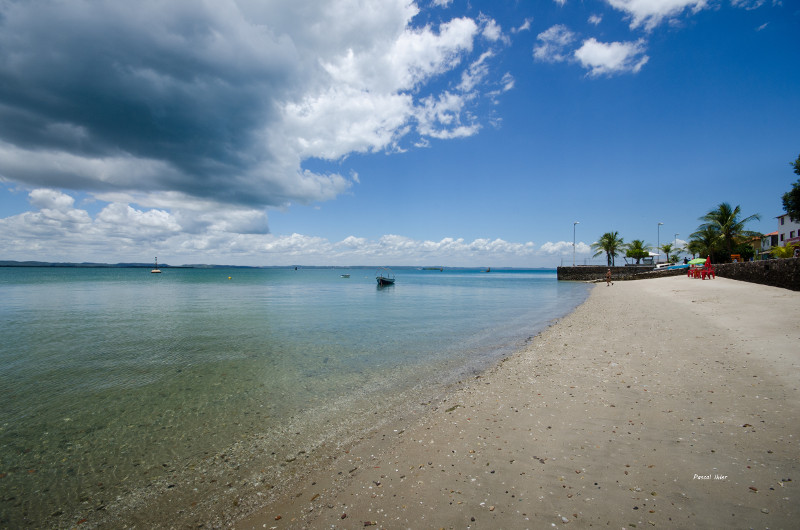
(113, 377)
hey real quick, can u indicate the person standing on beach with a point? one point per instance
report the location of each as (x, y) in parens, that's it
(608, 278)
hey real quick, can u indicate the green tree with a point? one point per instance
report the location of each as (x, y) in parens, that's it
(611, 244)
(782, 252)
(694, 247)
(791, 199)
(705, 241)
(637, 249)
(745, 250)
(726, 222)
(666, 248)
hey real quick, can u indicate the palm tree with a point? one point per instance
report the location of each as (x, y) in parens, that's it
(637, 249)
(610, 243)
(725, 220)
(695, 247)
(666, 248)
(705, 241)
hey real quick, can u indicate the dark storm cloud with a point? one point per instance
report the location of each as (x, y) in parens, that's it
(183, 83)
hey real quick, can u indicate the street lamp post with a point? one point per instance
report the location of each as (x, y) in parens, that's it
(573, 242)
(658, 246)
(675, 244)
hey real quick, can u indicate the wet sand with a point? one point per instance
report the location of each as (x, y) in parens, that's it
(668, 402)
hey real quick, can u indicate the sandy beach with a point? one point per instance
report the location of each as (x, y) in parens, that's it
(668, 402)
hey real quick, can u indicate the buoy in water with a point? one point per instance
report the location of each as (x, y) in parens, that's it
(229, 277)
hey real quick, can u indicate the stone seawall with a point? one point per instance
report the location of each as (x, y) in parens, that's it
(783, 273)
(590, 273)
(775, 272)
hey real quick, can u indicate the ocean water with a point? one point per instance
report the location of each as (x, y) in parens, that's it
(114, 382)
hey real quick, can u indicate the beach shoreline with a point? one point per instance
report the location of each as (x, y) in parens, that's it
(667, 402)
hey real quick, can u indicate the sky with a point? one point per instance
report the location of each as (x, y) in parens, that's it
(392, 132)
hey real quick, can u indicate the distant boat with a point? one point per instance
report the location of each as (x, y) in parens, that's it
(345, 275)
(156, 270)
(384, 277)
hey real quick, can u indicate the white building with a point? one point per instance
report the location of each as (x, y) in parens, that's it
(788, 231)
(769, 240)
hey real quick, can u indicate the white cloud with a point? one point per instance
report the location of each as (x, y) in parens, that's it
(553, 44)
(491, 30)
(412, 57)
(344, 120)
(525, 26)
(611, 58)
(352, 242)
(506, 83)
(565, 247)
(595, 19)
(58, 230)
(118, 229)
(650, 13)
(122, 216)
(556, 44)
(747, 4)
(44, 199)
(476, 73)
(442, 117)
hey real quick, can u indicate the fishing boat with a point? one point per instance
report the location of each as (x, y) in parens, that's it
(156, 270)
(384, 277)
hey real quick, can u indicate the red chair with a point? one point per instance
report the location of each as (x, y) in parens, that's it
(708, 270)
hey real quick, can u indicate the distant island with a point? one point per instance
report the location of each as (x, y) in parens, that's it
(11, 263)
(149, 265)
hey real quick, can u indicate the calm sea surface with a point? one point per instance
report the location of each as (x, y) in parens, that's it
(113, 379)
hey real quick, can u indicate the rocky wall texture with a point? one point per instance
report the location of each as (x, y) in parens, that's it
(775, 272)
(589, 273)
